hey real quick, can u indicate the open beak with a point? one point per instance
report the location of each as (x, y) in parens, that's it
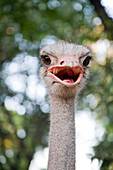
(66, 75)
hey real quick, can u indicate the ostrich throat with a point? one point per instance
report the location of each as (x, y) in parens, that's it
(62, 134)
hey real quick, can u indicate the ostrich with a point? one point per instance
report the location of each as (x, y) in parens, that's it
(65, 72)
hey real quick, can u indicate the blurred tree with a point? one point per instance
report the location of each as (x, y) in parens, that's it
(107, 21)
(25, 26)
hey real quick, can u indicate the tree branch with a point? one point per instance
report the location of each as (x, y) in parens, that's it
(108, 22)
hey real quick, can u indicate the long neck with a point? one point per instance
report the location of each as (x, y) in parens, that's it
(62, 134)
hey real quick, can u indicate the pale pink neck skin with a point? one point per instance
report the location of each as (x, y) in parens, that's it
(62, 134)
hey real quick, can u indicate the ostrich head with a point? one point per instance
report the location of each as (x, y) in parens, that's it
(64, 68)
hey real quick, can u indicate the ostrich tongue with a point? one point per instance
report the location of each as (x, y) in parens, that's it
(69, 80)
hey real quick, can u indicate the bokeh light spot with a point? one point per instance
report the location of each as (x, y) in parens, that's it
(9, 153)
(8, 143)
(77, 6)
(21, 133)
(10, 30)
(2, 159)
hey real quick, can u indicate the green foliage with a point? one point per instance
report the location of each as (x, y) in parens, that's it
(25, 25)
(104, 93)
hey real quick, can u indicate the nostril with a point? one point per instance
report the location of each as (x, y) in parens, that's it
(61, 62)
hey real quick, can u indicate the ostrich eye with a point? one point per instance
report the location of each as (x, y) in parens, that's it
(46, 60)
(86, 61)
